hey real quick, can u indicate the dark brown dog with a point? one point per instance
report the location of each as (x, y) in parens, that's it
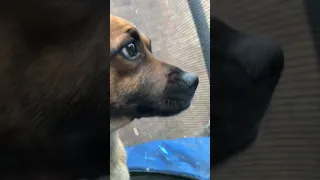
(54, 89)
(140, 86)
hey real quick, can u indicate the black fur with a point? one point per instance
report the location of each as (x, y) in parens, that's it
(246, 70)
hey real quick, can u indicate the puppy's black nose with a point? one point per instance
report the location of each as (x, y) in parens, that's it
(191, 79)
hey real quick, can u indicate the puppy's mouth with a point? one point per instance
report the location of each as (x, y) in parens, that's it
(168, 106)
(173, 100)
(149, 111)
(162, 107)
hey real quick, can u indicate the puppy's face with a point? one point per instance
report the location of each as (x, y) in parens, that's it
(140, 84)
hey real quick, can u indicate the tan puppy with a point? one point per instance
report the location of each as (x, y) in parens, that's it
(140, 86)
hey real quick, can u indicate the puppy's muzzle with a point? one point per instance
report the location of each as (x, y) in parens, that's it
(179, 92)
(175, 98)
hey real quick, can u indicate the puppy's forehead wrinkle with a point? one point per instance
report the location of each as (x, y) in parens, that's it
(120, 29)
(119, 26)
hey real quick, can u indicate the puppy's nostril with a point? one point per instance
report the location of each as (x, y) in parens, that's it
(190, 78)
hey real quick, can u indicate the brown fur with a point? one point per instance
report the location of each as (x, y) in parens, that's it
(144, 82)
(126, 77)
(142, 87)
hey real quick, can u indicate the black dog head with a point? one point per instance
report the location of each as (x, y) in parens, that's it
(246, 70)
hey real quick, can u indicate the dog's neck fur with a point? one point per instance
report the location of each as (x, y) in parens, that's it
(119, 122)
(118, 159)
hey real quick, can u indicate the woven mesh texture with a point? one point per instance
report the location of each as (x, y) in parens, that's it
(289, 144)
(175, 40)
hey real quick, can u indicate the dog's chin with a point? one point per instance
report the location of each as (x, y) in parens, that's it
(163, 109)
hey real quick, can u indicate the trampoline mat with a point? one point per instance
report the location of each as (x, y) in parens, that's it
(156, 177)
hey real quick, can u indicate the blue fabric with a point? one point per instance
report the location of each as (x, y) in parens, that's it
(185, 156)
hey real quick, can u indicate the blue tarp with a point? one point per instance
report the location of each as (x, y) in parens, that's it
(185, 156)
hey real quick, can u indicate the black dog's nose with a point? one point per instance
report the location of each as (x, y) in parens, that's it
(190, 78)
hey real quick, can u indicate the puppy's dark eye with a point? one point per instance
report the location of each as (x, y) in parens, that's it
(130, 51)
